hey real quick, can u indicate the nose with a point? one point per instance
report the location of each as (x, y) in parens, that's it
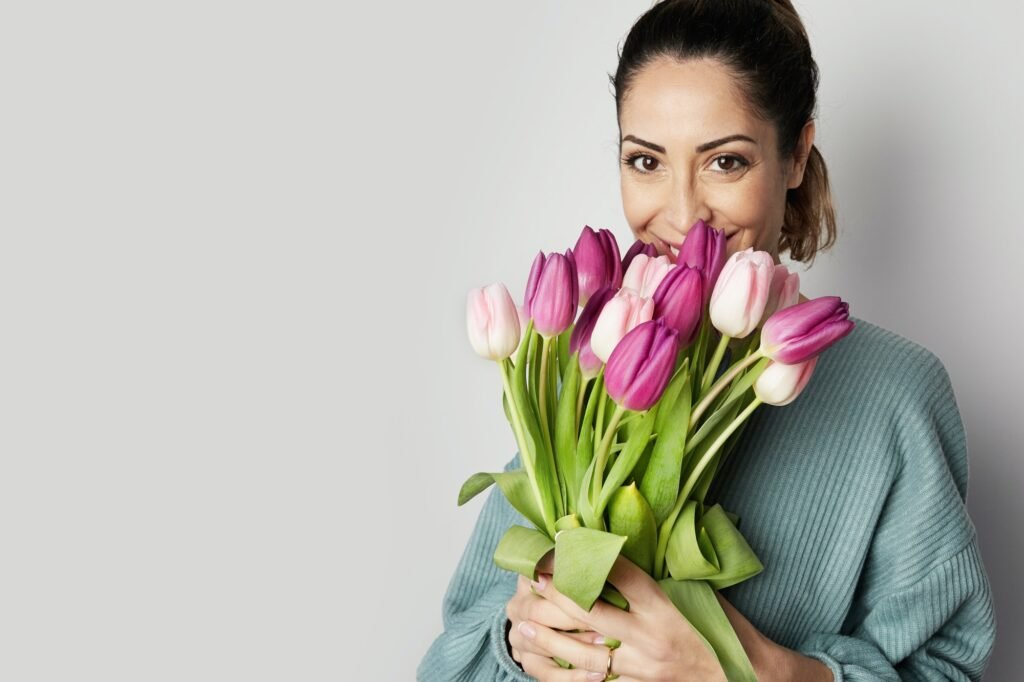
(686, 205)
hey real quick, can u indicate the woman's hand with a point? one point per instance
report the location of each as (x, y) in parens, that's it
(531, 610)
(657, 643)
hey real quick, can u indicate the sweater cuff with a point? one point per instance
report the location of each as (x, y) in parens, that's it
(499, 648)
(812, 650)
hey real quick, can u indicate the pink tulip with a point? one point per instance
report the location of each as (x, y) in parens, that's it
(806, 329)
(703, 248)
(598, 262)
(780, 384)
(784, 292)
(645, 273)
(552, 293)
(741, 292)
(641, 365)
(623, 312)
(679, 300)
(492, 322)
(638, 247)
(590, 364)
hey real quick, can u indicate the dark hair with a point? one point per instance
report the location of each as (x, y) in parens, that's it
(764, 44)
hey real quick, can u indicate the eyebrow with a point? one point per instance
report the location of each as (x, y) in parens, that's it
(700, 148)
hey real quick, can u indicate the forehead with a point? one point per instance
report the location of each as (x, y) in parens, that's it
(673, 102)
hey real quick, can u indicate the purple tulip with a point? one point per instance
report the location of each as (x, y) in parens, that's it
(704, 248)
(641, 365)
(804, 330)
(552, 293)
(597, 262)
(679, 300)
(638, 248)
(590, 364)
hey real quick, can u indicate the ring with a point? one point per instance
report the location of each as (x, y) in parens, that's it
(608, 670)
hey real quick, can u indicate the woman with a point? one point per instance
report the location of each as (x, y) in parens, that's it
(853, 496)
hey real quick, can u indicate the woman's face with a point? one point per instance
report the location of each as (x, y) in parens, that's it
(683, 159)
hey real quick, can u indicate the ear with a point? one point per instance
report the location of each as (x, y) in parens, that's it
(800, 155)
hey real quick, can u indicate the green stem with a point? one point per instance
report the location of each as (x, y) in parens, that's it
(542, 391)
(579, 403)
(691, 481)
(724, 381)
(716, 359)
(604, 449)
(525, 456)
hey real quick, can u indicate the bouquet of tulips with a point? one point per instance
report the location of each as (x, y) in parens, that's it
(623, 414)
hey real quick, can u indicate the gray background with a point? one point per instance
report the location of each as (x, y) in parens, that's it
(238, 400)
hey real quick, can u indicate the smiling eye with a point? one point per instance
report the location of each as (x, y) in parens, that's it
(630, 160)
(738, 163)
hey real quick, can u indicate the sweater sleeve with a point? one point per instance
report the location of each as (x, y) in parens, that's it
(473, 645)
(923, 606)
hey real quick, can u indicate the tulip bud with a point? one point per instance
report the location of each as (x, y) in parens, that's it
(552, 293)
(780, 384)
(641, 365)
(645, 274)
(597, 262)
(679, 300)
(580, 339)
(703, 248)
(620, 314)
(784, 291)
(492, 322)
(638, 247)
(806, 329)
(741, 292)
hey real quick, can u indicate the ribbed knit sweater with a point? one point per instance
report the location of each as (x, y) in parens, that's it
(854, 499)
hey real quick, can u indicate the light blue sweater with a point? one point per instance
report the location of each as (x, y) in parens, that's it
(853, 497)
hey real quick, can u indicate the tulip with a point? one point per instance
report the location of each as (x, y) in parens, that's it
(784, 291)
(645, 273)
(679, 300)
(806, 329)
(597, 262)
(638, 248)
(620, 314)
(780, 384)
(552, 293)
(741, 292)
(492, 322)
(580, 339)
(641, 365)
(703, 248)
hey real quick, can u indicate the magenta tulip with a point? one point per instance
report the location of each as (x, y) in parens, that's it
(780, 384)
(645, 273)
(741, 292)
(620, 314)
(492, 322)
(703, 248)
(638, 247)
(804, 330)
(641, 365)
(590, 364)
(679, 300)
(552, 293)
(598, 263)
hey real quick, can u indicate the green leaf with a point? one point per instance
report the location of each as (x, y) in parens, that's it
(583, 559)
(568, 521)
(627, 459)
(696, 600)
(630, 515)
(660, 484)
(563, 349)
(690, 555)
(521, 549)
(737, 560)
(565, 431)
(474, 485)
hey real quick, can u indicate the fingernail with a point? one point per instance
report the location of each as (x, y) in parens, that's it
(527, 630)
(541, 582)
(599, 640)
(595, 676)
